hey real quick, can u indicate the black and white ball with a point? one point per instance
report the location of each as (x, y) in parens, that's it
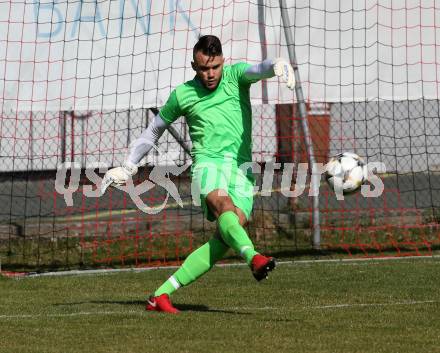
(346, 172)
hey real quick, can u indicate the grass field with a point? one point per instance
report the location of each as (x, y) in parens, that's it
(362, 306)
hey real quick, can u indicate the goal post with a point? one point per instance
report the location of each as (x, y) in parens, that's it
(315, 177)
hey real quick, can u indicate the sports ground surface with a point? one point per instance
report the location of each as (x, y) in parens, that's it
(340, 306)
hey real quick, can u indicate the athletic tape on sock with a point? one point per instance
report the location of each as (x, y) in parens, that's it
(244, 248)
(174, 282)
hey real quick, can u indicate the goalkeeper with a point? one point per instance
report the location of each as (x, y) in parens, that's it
(217, 109)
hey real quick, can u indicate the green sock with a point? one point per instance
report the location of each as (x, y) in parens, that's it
(196, 264)
(235, 236)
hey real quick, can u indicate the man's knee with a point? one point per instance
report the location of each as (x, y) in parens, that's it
(241, 217)
(219, 202)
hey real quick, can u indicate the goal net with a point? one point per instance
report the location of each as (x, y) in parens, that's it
(80, 80)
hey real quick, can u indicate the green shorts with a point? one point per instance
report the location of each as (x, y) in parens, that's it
(239, 184)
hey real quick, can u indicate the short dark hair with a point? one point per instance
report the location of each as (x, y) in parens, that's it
(209, 45)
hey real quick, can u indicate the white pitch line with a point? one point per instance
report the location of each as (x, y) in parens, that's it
(81, 313)
(337, 306)
(140, 312)
(247, 309)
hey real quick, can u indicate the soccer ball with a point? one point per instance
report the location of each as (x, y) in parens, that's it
(346, 172)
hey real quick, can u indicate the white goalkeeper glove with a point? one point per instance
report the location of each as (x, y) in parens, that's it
(118, 176)
(284, 71)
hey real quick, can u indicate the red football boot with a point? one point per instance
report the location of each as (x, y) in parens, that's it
(161, 303)
(261, 266)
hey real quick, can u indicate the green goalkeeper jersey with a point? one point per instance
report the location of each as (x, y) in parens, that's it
(219, 121)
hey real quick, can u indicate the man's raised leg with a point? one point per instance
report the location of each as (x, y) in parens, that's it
(230, 221)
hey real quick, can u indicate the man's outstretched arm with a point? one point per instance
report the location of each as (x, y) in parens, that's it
(272, 67)
(138, 149)
(149, 137)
